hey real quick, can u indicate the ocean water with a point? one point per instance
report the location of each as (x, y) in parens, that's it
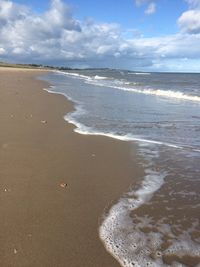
(156, 222)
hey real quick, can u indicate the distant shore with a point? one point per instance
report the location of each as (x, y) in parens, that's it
(55, 183)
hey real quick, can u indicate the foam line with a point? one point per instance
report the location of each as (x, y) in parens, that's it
(139, 73)
(82, 129)
(116, 231)
(176, 95)
(154, 92)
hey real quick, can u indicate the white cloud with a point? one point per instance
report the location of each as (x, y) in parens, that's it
(140, 2)
(151, 9)
(10, 11)
(189, 21)
(56, 37)
(193, 3)
(2, 51)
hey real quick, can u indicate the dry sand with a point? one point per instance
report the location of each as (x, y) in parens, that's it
(42, 223)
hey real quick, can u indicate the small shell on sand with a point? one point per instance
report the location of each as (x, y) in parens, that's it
(63, 185)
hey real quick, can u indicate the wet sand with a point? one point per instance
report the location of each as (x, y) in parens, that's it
(43, 223)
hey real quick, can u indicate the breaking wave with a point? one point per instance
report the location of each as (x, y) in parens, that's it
(131, 87)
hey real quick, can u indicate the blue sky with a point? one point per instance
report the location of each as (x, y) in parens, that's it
(146, 35)
(124, 12)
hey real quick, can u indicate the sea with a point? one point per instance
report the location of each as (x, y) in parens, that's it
(156, 222)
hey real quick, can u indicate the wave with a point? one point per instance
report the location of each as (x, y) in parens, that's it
(176, 95)
(73, 74)
(118, 84)
(139, 73)
(123, 234)
(85, 77)
(120, 234)
(169, 94)
(81, 76)
(117, 229)
(124, 238)
(86, 130)
(52, 89)
(97, 77)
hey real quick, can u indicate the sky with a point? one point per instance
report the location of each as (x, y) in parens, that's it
(141, 35)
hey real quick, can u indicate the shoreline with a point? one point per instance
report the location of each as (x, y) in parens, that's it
(45, 224)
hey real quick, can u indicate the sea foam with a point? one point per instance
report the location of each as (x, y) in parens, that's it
(176, 95)
(121, 230)
(139, 73)
(86, 130)
(80, 128)
(118, 84)
(117, 232)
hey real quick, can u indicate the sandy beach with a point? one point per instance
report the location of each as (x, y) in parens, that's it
(43, 223)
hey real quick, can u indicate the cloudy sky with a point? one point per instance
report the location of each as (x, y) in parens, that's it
(146, 35)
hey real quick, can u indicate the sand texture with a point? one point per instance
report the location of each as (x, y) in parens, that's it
(54, 183)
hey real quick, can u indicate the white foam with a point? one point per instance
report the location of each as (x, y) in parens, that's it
(130, 247)
(85, 130)
(115, 84)
(82, 129)
(123, 238)
(51, 91)
(140, 73)
(170, 94)
(73, 74)
(184, 246)
(97, 77)
(176, 95)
